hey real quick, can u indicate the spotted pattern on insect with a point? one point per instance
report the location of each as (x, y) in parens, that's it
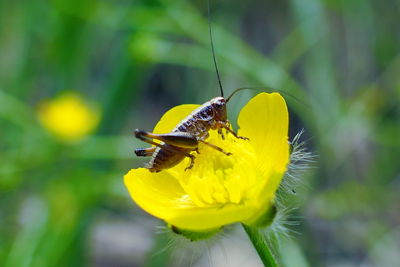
(210, 115)
(198, 122)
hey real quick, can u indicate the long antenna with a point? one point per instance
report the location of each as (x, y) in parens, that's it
(266, 89)
(212, 48)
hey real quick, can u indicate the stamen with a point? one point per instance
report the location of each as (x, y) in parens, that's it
(216, 178)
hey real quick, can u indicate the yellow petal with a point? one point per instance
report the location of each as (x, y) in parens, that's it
(265, 121)
(206, 218)
(172, 117)
(157, 193)
(161, 195)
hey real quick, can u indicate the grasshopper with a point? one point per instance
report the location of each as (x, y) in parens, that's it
(190, 132)
(186, 136)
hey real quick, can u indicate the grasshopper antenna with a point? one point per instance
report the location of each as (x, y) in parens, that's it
(237, 90)
(267, 89)
(212, 47)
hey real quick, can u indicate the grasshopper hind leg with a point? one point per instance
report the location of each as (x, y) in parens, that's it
(145, 152)
(181, 143)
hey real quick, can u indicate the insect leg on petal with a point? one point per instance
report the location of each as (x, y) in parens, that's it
(225, 125)
(216, 147)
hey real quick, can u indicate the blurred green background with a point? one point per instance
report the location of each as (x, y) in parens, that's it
(63, 203)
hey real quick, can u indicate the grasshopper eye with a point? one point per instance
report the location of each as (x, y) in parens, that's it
(219, 105)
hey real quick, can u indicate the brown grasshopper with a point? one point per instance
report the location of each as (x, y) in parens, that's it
(186, 136)
(190, 132)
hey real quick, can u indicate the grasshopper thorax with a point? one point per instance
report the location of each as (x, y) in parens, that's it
(218, 104)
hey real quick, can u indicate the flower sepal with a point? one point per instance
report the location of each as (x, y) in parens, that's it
(265, 219)
(194, 235)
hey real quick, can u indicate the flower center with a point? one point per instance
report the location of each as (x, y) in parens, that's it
(217, 179)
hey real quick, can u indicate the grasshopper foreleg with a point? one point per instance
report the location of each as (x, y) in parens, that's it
(221, 133)
(228, 129)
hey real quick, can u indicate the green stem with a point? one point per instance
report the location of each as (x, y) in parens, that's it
(261, 246)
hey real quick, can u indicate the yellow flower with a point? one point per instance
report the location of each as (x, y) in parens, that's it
(220, 189)
(68, 117)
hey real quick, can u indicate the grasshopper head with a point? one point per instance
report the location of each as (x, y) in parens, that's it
(219, 106)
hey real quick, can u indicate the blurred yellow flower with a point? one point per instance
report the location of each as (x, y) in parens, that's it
(68, 116)
(220, 189)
